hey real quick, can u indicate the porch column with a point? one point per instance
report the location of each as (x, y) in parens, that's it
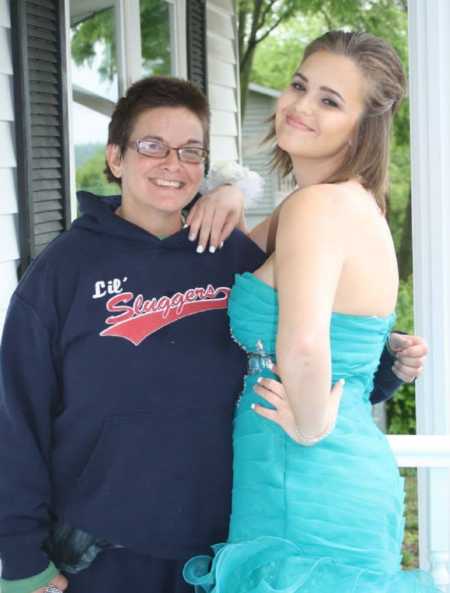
(429, 50)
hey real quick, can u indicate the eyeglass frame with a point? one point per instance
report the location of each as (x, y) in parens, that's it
(135, 145)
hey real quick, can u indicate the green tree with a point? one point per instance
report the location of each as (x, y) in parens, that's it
(259, 19)
(90, 176)
(97, 35)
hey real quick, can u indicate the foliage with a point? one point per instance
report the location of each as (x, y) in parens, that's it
(84, 152)
(90, 176)
(92, 36)
(411, 540)
(259, 19)
(401, 409)
(97, 34)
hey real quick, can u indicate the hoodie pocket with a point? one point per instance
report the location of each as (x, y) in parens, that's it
(169, 472)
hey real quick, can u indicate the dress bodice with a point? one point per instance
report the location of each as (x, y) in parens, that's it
(356, 340)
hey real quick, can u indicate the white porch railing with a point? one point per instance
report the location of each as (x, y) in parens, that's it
(421, 450)
(432, 452)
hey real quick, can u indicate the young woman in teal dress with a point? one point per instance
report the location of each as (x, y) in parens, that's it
(317, 501)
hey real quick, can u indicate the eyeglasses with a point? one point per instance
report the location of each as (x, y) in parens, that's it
(156, 149)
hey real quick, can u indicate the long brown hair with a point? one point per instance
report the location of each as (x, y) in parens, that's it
(368, 154)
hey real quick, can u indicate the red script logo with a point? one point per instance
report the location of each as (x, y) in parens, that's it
(135, 318)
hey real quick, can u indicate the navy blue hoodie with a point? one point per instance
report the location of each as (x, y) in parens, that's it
(117, 388)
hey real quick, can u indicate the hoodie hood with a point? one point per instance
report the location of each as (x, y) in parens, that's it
(97, 215)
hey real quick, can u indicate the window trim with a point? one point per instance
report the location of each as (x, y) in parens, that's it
(178, 38)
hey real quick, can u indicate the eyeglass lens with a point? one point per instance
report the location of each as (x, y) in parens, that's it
(155, 148)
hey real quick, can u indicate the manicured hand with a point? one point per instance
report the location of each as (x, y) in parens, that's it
(274, 393)
(59, 581)
(410, 353)
(214, 216)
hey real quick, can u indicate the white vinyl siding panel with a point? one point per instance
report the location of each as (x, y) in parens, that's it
(8, 274)
(219, 22)
(5, 18)
(223, 148)
(224, 5)
(221, 49)
(9, 240)
(222, 98)
(9, 244)
(223, 123)
(5, 51)
(259, 108)
(8, 191)
(223, 80)
(221, 73)
(7, 153)
(6, 98)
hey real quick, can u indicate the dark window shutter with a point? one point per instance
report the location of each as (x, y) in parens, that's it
(196, 43)
(41, 121)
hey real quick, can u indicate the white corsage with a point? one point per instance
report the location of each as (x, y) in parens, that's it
(229, 172)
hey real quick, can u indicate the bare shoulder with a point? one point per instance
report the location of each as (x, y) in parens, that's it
(325, 199)
(347, 200)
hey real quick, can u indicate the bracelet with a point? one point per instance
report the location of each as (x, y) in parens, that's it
(310, 441)
(230, 173)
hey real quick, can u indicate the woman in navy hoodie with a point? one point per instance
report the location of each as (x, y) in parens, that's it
(118, 374)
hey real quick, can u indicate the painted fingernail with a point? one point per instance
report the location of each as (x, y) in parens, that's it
(185, 226)
(221, 245)
(200, 249)
(212, 249)
(259, 379)
(253, 406)
(191, 237)
(342, 381)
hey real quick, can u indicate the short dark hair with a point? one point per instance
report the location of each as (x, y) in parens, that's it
(368, 157)
(150, 93)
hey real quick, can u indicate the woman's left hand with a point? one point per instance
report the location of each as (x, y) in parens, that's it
(282, 414)
(214, 217)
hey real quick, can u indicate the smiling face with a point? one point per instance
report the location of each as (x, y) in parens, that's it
(158, 188)
(317, 116)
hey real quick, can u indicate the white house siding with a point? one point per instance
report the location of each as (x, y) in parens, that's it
(223, 80)
(260, 106)
(9, 242)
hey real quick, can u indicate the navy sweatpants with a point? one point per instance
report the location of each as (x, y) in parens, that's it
(122, 571)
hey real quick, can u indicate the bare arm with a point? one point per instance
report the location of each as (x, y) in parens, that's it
(215, 215)
(265, 232)
(308, 262)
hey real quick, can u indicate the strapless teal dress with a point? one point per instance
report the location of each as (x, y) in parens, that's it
(321, 519)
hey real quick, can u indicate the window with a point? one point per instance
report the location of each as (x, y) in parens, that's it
(95, 76)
